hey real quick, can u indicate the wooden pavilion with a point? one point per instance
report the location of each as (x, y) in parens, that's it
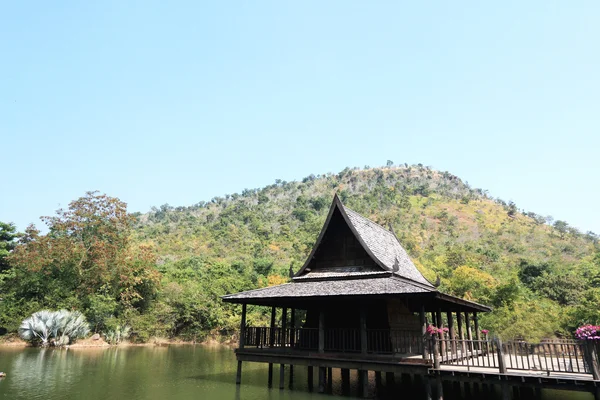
(358, 302)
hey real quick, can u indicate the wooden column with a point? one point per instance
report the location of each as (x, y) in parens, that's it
(345, 372)
(283, 345)
(441, 334)
(309, 375)
(469, 332)
(329, 380)
(321, 332)
(461, 333)
(363, 330)
(238, 376)
(271, 343)
(451, 331)
(378, 382)
(292, 343)
(424, 341)
(477, 332)
(321, 350)
(322, 371)
(364, 382)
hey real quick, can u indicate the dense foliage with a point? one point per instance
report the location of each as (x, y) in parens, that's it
(162, 272)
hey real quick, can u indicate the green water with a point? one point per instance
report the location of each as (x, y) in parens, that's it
(174, 372)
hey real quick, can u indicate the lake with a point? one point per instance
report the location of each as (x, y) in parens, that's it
(181, 372)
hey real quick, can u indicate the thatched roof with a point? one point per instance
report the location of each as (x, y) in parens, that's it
(382, 245)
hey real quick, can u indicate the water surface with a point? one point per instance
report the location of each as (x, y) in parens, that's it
(175, 372)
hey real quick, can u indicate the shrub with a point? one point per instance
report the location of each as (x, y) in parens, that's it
(54, 327)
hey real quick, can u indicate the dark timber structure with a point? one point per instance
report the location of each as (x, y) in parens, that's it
(359, 303)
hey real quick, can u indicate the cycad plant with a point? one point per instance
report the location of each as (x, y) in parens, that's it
(118, 334)
(62, 326)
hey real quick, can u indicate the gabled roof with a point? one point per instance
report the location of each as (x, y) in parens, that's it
(379, 243)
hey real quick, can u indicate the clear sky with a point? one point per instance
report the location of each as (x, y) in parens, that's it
(178, 102)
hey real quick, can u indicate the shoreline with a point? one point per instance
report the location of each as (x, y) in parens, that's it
(16, 343)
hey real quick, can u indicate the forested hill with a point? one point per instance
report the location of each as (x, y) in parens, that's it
(540, 275)
(162, 273)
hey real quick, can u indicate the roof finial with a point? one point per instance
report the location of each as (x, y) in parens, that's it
(396, 266)
(437, 281)
(291, 272)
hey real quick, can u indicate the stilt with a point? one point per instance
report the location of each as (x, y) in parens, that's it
(238, 375)
(596, 393)
(329, 380)
(364, 380)
(270, 383)
(506, 392)
(291, 382)
(389, 379)
(309, 376)
(440, 389)
(427, 388)
(378, 383)
(345, 381)
(321, 379)
(281, 376)
(516, 392)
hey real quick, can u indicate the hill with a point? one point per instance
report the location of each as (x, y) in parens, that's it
(539, 277)
(162, 272)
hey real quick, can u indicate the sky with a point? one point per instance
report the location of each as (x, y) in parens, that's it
(177, 102)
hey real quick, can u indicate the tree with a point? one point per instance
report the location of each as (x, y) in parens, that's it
(562, 227)
(87, 251)
(8, 234)
(389, 163)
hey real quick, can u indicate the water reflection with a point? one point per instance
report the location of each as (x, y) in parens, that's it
(196, 372)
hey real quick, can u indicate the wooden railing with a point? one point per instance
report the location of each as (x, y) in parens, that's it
(343, 340)
(548, 356)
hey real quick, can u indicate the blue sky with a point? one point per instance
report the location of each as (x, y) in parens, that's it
(178, 102)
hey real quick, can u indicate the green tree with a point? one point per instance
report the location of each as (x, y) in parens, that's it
(8, 234)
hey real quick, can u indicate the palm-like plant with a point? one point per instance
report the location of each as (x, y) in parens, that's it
(62, 325)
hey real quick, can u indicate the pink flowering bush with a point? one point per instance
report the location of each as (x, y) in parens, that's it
(432, 330)
(588, 332)
(485, 331)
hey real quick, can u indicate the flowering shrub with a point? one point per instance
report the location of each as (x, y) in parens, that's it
(485, 331)
(588, 332)
(432, 330)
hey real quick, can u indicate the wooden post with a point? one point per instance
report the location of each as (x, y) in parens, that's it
(271, 344)
(345, 380)
(451, 332)
(238, 376)
(461, 333)
(441, 334)
(477, 332)
(321, 331)
(292, 343)
(440, 388)
(436, 352)
(363, 330)
(378, 382)
(309, 375)
(329, 380)
(389, 379)
(593, 358)
(364, 380)
(283, 345)
(284, 327)
(321, 379)
(469, 333)
(423, 332)
(501, 364)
